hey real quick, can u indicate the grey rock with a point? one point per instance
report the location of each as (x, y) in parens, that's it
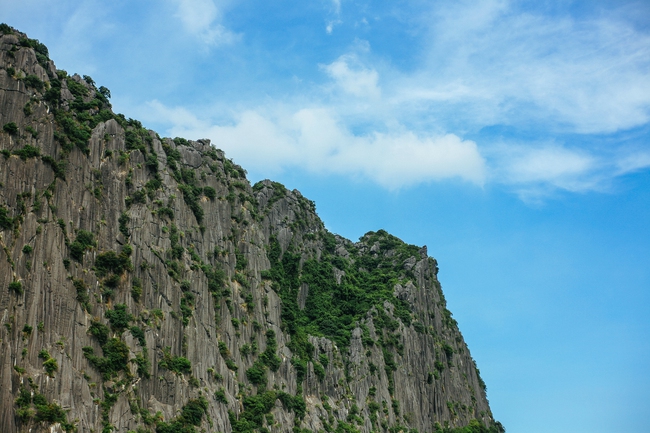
(233, 233)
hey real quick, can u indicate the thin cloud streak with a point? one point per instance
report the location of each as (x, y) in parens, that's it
(536, 172)
(202, 19)
(587, 76)
(336, 20)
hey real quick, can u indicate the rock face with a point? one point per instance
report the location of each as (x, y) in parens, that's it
(145, 285)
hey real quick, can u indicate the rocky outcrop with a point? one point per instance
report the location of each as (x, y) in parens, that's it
(145, 285)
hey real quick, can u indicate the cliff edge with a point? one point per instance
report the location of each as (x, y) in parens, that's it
(146, 285)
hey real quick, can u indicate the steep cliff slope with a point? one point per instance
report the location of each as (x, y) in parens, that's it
(145, 285)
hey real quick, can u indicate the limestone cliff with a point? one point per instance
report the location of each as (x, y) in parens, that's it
(145, 285)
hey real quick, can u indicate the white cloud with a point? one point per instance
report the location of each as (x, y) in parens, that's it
(483, 64)
(202, 19)
(491, 64)
(353, 78)
(177, 115)
(269, 141)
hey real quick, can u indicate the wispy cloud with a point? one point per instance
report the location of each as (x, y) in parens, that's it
(480, 65)
(202, 19)
(536, 171)
(549, 164)
(492, 64)
(335, 16)
(336, 4)
(587, 75)
(633, 162)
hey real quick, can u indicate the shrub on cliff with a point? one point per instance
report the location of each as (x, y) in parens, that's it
(10, 128)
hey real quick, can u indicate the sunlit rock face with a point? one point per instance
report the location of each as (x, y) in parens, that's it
(145, 285)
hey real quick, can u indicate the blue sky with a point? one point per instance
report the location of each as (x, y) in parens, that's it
(510, 137)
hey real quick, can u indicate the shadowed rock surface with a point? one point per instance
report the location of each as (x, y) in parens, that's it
(145, 285)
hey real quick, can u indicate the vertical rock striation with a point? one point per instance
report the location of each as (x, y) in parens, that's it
(145, 285)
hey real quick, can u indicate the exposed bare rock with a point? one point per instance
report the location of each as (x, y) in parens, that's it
(145, 285)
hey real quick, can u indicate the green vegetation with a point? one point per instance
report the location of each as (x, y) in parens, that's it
(449, 352)
(10, 128)
(32, 81)
(209, 192)
(269, 356)
(49, 364)
(44, 411)
(115, 359)
(27, 152)
(279, 192)
(319, 371)
(50, 412)
(256, 406)
(220, 396)
(231, 365)
(32, 131)
(6, 222)
(332, 310)
(191, 195)
(241, 262)
(115, 351)
(100, 331)
(16, 287)
(5, 29)
(166, 212)
(85, 240)
(75, 133)
(82, 294)
(27, 330)
(139, 196)
(257, 374)
(111, 262)
(233, 170)
(119, 318)
(191, 416)
(177, 364)
(215, 278)
(42, 54)
(176, 251)
(324, 360)
(123, 220)
(136, 289)
(142, 361)
(187, 302)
